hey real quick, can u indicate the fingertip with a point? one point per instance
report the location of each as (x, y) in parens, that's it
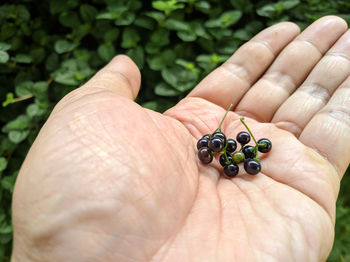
(333, 19)
(124, 65)
(290, 26)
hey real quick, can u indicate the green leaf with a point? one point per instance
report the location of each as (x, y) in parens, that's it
(160, 37)
(17, 137)
(199, 30)
(67, 78)
(8, 183)
(288, 4)
(161, 60)
(125, 19)
(180, 78)
(152, 48)
(69, 19)
(4, 46)
(88, 13)
(32, 110)
(209, 62)
(130, 38)
(22, 12)
(4, 57)
(5, 238)
(202, 6)
(106, 51)
(113, 14)
(273, 10)
(243, 5)
(3, 163)
(187, 36)
(268, 10)
(178, 25)
(22, 58)
(63, 46)
(111, 35)
(144, 22)
(37, 55)
(156, 16)
(4, 227)
(167, 6)
(22, 122)
(187, 65)
(225, 20)
(52, 62)
(72, 72)
(163, 89)
(220, 34)
(40, 88)
(24, 88)
(159, 105)
(137, 55)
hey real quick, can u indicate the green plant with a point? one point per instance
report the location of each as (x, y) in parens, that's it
(49, 48)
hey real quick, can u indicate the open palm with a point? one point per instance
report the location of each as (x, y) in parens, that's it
(107, 180)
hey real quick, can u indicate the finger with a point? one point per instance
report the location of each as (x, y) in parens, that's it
(120, 75)
(228, 83)
(328, 132)
(315, 92)
(291, 68)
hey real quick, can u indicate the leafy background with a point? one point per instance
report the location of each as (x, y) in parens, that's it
(48, 49)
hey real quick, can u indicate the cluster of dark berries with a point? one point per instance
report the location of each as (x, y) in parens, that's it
(217, 143)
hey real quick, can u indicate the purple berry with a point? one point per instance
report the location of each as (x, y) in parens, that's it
(231, 170)
(252, 166)
(264, 145)
(243, 137)
(249, 152)
(231, 145)
(222, 159)
(220, 135)
(203, 142)
(204, 155)
(216, 144)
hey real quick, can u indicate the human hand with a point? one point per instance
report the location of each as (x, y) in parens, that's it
(107, 180)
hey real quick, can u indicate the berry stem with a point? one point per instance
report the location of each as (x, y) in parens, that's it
(219, 128)
(225, 153)
(242, 120)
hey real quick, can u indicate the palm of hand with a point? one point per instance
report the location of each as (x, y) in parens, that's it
(126, 185)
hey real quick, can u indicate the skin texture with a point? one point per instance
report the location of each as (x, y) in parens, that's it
(107, 180)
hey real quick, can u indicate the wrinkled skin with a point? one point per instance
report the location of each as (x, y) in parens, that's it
(107, 180)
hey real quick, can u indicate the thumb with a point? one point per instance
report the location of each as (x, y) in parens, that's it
(120, 75)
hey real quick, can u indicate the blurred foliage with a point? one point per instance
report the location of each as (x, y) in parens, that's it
(50, 47)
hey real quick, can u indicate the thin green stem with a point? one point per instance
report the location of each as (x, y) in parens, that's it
(225, 153)
(242, 120)
(222, 120)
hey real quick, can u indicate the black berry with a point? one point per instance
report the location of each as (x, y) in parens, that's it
(207, 136)
(220, 135)
(203, 142)
(249, 152)
(216, 144)
(264, 145)
(238, 157)
(204, 155)
(231, 145)
(252, 166)
(231, 170)
(222, 159)
(243, 137)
